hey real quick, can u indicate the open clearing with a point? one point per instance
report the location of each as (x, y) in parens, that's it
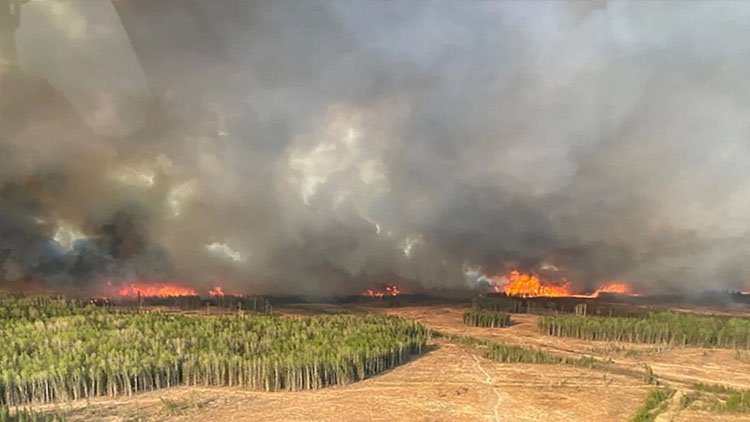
(452, 382)
(676, 365)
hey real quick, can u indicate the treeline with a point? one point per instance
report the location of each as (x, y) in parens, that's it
(497, 304)
(558, 305)
(250, 303)
(671, 328)
(36, 307)
(480, 318)
(84, 356)
(45, 306)
(506, 353)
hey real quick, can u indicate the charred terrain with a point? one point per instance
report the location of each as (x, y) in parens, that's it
(395, 357)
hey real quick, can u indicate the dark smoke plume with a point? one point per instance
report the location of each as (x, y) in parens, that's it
(329, 146)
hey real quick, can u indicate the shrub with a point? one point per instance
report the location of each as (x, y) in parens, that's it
(656, 403)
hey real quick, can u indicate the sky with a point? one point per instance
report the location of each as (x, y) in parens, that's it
(330, 146)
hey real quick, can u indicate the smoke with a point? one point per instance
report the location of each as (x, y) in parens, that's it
(320, 147)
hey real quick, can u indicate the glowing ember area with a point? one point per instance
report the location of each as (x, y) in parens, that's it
(390, 290)
(216, 292)
(373, 293)
(619, 288)
(155, 290)
(527, 285)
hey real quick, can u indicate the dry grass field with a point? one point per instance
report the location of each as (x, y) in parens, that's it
(453, 382)
(681, 366)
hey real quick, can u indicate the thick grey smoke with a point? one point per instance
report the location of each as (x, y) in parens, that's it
(330, 146)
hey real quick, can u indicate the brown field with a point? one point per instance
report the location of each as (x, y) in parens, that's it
(452, 382)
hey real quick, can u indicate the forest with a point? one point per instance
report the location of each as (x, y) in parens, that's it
(36, 307)
(673, 328)
(559, 305)
(59, 351)
(482, 318)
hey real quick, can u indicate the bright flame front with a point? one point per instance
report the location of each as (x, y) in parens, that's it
(617, 287)
(528, 285)
(155, 290)
(520, 284)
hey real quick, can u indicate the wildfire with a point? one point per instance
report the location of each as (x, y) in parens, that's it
(528, 285)
(155, 290)
(216, 292)
(518, 284)
(390, 290)
(617, 287)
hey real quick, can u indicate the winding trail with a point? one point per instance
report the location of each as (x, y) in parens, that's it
(489, 381)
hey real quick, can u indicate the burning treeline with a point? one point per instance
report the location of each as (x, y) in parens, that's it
(516, 283)
(174, 296)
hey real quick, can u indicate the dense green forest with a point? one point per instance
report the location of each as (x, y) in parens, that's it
(91, 352)
(479, 318)
(35, 307)
(559, 305)
(39, 307)
(662, 328)
(232, 302)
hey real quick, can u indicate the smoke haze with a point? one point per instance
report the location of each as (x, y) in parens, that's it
(320, 147)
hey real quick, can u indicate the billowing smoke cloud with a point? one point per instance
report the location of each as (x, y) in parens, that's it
(323, 147)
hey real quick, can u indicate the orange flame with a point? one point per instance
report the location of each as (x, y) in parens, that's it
(155, 290)
(528, 285)
(216, 292)
(617, 287)
(390, 290)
